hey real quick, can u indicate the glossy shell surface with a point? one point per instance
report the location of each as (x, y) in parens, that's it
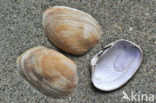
(50, 71)
(115, 65)
(70, 29)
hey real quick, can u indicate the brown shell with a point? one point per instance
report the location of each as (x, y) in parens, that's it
(52, 72)
(70, 29)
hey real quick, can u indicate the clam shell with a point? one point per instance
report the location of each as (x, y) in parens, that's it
(50, 71)
(115, 65)
(70, 29)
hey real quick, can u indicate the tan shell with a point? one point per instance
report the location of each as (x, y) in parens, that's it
(52, 72)
(70, 29)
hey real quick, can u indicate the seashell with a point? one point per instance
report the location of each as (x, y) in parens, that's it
(50, 71)
(72, 30)
(115, 65)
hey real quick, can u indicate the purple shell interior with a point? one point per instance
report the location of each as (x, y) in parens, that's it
(117, 65)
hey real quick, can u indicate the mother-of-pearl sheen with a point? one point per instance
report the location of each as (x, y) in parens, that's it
(116, 66)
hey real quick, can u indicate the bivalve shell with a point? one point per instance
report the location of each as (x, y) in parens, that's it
(70, 29)
(50, 71)
(115, 65)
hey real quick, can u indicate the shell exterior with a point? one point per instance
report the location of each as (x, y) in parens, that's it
(50, 71)
(115, 65)
(70, 29)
